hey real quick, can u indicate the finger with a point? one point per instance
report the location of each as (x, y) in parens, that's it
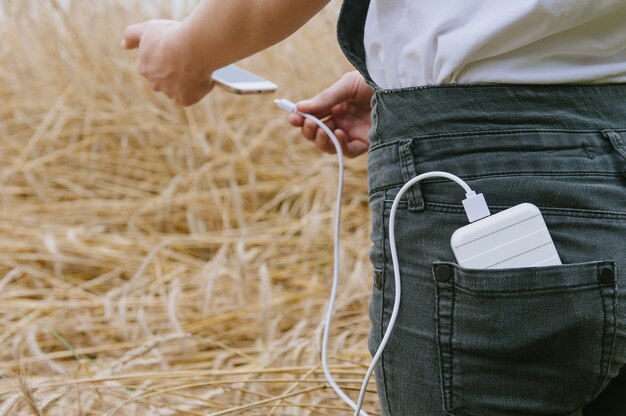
(351, 149)
(342, 138)
(331, 123)
(331, 96)
(323, 142)
(132, 36)
(309, 130)
(296, 120)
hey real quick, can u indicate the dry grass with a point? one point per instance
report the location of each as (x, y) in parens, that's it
(162, 261)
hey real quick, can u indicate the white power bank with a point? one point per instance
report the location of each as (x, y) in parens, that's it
(516, 237)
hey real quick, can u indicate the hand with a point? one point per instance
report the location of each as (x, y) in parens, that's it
(347, 106)
(163, 61)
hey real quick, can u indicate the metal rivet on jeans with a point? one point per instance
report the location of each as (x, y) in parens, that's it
(443, 273)
(378, 280)
(607, 275)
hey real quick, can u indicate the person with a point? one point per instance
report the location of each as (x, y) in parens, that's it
(524, 100)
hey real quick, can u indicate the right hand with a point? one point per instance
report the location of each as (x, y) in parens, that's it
(347, 104)
(163, 61)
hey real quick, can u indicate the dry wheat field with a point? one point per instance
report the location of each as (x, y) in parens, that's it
(156, 260)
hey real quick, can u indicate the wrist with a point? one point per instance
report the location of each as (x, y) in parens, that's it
(192, 60)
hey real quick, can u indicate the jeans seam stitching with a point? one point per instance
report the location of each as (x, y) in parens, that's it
(451, 403)
(445, 292)
(553, 211)
(507, 174)
(382, 309)
(532, 173)
(614, 300)
(602, 348)
(606, 363)
(438, 324)
(472, 133)
(439, 292)
(452, 311)
(519, 291)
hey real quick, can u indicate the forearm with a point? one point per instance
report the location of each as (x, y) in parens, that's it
(220, 32)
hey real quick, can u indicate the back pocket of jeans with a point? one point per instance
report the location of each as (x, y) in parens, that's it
(524, 341)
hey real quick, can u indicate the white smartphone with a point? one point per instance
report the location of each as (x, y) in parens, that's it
(239, 81)
(515, 237)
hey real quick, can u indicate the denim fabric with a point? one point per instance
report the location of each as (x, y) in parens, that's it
(530, 341)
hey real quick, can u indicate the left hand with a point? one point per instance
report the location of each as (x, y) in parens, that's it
(346, 105)
(164, 61)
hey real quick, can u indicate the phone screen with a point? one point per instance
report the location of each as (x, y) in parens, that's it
(232, 73)
(241, 81)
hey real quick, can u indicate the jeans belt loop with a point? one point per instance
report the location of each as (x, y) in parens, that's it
(618, 143)
(414, 195)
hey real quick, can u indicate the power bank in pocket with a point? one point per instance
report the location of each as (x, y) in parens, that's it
(516, 237)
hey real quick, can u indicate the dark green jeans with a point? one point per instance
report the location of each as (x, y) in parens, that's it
(540, 341)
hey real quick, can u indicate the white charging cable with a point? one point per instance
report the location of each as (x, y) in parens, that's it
(475, 208)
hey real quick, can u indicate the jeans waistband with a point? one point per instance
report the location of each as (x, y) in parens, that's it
(427, 111)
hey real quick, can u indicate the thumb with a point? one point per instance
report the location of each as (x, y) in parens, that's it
(132, 36)
(337, 93)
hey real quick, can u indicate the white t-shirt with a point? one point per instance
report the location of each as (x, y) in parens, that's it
(424, 42)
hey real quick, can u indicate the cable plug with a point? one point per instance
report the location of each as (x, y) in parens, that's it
(286, 105)
(475, 206)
